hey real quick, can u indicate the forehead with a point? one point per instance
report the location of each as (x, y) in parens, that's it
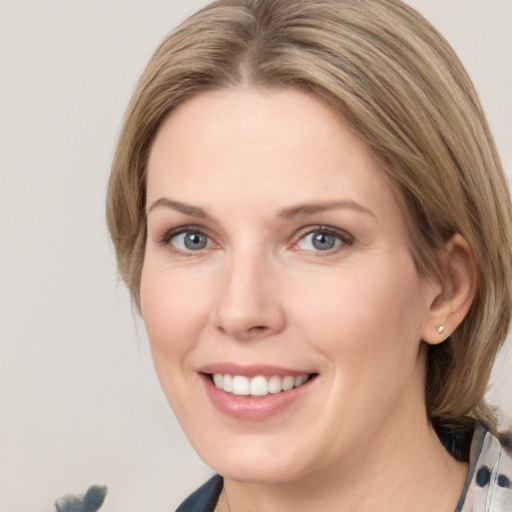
(259, 144)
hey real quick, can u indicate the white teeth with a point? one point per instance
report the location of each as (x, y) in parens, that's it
(241, 385)
(227, 384)
(274, 384)
(288, 383)
(300, 380)
(218, 380)
(257, 386)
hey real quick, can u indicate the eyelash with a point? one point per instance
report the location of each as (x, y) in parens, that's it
(165, 239)
(345, 238)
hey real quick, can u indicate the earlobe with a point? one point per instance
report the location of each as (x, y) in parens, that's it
(456, 289)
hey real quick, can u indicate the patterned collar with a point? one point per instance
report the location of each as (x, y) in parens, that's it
(488, 486)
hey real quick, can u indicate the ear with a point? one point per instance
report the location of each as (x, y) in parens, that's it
(455, 291)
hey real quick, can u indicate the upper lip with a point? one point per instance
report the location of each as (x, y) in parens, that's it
(251, 370)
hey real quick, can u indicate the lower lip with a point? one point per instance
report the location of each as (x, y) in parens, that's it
(253, 408)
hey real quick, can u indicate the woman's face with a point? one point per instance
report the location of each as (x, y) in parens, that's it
(277, 254)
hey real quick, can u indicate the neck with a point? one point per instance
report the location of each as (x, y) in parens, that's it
(402, 470)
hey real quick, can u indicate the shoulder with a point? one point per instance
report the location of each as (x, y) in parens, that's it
(205, 498)
(488, 487)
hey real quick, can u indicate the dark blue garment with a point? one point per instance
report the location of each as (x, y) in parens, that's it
(205, 498)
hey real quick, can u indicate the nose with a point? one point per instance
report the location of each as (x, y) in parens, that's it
(248, 305)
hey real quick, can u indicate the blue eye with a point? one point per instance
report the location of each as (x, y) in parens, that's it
(322, 240)
(191, 241)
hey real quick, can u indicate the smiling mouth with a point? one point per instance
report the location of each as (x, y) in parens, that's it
(258, 386)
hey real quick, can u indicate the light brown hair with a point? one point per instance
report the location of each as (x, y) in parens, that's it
(403, 90)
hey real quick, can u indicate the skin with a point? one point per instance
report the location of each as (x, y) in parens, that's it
(261, 293)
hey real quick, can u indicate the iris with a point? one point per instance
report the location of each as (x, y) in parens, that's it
(195, 241)
(323, 241)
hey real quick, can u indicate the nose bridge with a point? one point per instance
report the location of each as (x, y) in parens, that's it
(248, 305)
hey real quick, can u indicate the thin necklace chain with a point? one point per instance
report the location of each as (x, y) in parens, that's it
(227, 501)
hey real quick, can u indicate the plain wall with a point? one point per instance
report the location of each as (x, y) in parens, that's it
(79, 403)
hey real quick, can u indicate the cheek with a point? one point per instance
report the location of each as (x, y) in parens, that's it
(368, 316)
(368, 330)
(174, 311)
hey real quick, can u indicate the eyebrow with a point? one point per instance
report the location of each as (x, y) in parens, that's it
(187, 209)
(301, 210)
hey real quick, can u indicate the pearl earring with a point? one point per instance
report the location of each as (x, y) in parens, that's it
(440, 329)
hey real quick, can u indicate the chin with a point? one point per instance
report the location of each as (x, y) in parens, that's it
(257, 465)
(262, 473)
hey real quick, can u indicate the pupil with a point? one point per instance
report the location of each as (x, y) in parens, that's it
(323, 241)
(195, 241)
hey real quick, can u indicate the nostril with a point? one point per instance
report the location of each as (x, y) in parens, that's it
(257, 329)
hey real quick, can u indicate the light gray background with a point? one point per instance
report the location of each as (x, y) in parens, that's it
(79, 403)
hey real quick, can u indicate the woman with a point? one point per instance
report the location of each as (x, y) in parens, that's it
(309, 211)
